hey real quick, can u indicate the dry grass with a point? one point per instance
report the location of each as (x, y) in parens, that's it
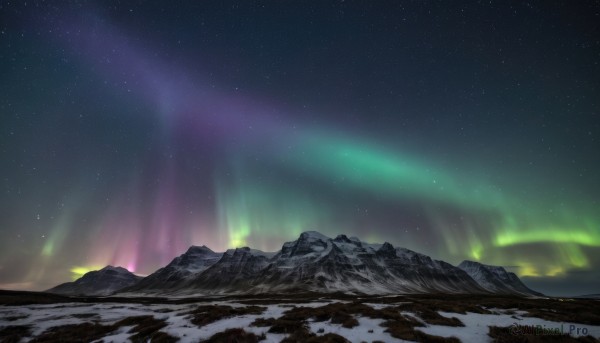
(581, 311)
(289, 327)
(145, 329)
(338, 313)
(18, 317)
(207, 314)
(160, 337)
(276, 301)
(299, 336)
(294, 321)
(294, 325)
(423, 337)
(400, 328)
(13, 334)
(84, 332)
(429, 313)
(327, 338)
(235, 336)
(309, 337)
(263, 322)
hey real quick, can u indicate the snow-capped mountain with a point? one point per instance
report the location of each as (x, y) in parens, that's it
(495, 279)
(193, 262)
(313, 262)
(100, 282)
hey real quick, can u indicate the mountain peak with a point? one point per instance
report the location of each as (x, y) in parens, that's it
(99, 282)
(387, 246)
(115, 269)
(387, 250)
(313, 235)
(194, 249)
(342, 238)
(241, 250)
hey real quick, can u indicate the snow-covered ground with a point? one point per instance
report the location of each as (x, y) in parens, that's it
(42, 317)
(476, 326)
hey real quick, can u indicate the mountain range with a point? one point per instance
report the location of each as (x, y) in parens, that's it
(312, 263)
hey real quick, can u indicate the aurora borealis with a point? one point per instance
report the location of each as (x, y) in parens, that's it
(463, 130)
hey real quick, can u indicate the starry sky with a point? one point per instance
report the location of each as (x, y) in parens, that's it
(131, 130)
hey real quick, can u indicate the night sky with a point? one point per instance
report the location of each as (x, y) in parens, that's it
(463, 130)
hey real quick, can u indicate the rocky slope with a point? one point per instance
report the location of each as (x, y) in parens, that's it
(100, 282)
(495, 279)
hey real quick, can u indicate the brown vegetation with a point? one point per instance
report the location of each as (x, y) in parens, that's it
(235, 336)
(18, 317)
(84, 332)
(582, 311)
(13, 334)
(206, 314)
(145, 329)
(294, 321)
(327, 338)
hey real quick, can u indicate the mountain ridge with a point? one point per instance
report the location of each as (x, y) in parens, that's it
(317, 263)
(495, 278)
(98, 282)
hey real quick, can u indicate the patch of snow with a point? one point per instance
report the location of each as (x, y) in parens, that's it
(180, 326)
(477, 326)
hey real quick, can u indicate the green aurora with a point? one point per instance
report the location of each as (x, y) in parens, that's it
(252, 209)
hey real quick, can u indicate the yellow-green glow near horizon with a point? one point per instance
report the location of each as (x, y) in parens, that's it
(567, 243)
(527, 268)
(238, 233)
(77, 272)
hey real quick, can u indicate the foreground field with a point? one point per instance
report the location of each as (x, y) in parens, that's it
(39, 317)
